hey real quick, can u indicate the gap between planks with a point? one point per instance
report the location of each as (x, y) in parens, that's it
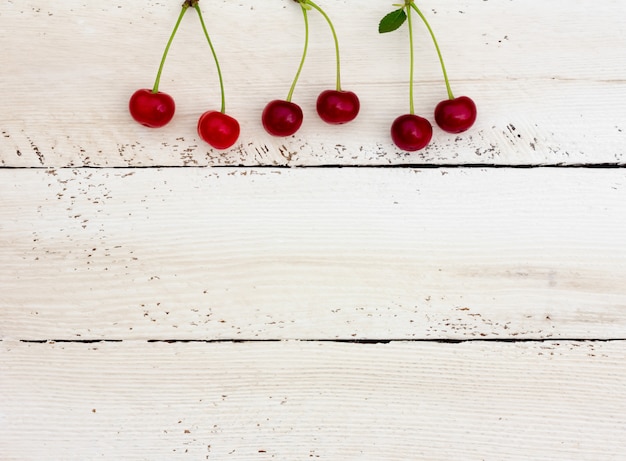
(429, 166)
(326, 340)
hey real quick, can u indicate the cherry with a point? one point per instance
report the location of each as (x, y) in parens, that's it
(216, 128)
(337, 107)
(455, 115)
(219, 130)
(153, 110)
(411, 132)
(282, 118)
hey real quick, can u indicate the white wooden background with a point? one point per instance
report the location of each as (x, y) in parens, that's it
(324, 296)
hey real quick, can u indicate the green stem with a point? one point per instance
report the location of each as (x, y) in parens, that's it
(332, 29)
(443, 66)
(217, 64)
(412, 60)
(155, 88)
(306, 46)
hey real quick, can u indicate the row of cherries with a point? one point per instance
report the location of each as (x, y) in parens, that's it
(409, 132)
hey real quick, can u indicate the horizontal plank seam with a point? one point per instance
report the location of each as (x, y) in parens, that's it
(341, 341)
(611, 166)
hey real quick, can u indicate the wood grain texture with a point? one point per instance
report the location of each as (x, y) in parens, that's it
(293, 400)
(548, 78)
(250, 311)
(312, 253)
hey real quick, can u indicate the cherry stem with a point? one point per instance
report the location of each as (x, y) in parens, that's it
(332, 29)
(155, 88)
(432, 34)
(412, 62)
(306, 46)
(217, 63)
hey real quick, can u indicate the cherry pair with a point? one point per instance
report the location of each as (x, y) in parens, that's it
(411, 132)
(155, 109)
(284, 118)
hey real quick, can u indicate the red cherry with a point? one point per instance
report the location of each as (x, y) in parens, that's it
(151, 109)
(282, 118)
(337, 107)
(218, 129)
(455, 115)
(411, 132)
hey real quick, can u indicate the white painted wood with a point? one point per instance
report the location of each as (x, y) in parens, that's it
(222, 254)
(548, 77)
(312, 253)
(293, 400)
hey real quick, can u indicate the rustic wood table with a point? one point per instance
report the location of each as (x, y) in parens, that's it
(325, 295)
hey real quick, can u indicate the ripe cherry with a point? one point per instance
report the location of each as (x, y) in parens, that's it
(282, 118)
(411, 132)
(153, 110)
(215, 127)
(455, 115)
(219, 130)
(337, 107)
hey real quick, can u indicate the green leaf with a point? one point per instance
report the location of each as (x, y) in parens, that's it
(392, 21)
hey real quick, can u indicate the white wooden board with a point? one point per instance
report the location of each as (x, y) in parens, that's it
(548, 78)
(296, 401)
(169, 269)
(313, 253)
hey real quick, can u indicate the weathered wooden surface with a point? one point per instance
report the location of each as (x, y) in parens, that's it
(293, 400)
(307, 253)
(167, 269)
(548, 78)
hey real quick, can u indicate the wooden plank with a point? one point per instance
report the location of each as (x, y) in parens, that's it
(551, 97)
(294, 400)
(312, 253)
